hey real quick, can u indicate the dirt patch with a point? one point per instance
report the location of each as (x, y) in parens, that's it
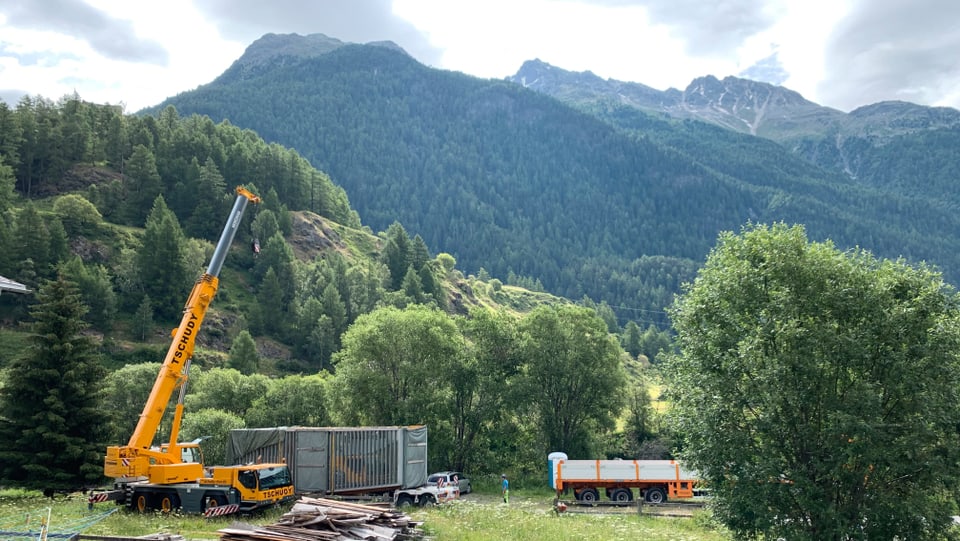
(312, 235)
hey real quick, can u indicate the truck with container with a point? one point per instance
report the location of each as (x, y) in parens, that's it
(656, 481)
(384, 462)
(172, 476)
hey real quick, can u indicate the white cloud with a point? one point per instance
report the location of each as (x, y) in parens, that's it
(840, 53)
(494, 38)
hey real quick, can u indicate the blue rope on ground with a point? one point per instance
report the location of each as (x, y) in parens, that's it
(11, 526)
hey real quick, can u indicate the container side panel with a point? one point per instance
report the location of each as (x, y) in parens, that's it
(360, 458)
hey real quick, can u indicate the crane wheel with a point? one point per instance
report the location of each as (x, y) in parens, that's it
(141, 502)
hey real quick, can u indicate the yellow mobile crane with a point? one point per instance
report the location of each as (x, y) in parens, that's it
(173, 476)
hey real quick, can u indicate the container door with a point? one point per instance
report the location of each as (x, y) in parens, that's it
(312, 461)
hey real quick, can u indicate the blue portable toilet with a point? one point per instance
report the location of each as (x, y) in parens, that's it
(552, 460)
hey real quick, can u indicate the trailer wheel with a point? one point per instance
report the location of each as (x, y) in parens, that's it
(621, 495)
(404, 500)
(656, 495)
(588, 495)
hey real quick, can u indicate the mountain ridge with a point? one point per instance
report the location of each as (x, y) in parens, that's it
(522, 183)
(824, 136)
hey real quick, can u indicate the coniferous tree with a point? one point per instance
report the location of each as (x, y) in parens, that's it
(264, 226)
(143, 185)
(396, 254)
(7, 264)
(8, 184)
(314, 337)
(76, 130)
(117, 143)
(160, 262)
(419, 253)
(11, 136)
(142, 319)
(243, 354)
(270, 303)
(272, 203)
(27, 120)
(412, 287)
(96, 291)
(334, 308)
(205, 221)
(631, 338)
(52, 427)
(31, 239)
(277, 254)
(59, 245)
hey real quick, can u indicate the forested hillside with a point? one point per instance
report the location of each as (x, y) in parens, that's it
(109, 219)
(529, 188)
(902, 150)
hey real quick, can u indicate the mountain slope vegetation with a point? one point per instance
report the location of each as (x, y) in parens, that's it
(526, 187)
(116, 214)
(901, 149)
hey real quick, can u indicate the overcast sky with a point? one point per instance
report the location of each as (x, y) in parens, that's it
(838, 53)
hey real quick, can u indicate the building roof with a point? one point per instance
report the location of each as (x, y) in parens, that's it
(7, 284)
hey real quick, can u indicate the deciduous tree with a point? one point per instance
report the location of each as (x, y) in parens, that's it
(573, 376)
(291, 401)
(391, 366)
(226, 389)
(125, 393)
(817, 390)
(214, 426)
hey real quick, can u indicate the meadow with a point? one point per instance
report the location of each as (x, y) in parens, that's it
(476, 517)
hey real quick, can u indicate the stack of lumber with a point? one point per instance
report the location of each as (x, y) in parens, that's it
(319, 519)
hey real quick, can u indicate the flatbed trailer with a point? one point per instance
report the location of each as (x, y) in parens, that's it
(655, 480)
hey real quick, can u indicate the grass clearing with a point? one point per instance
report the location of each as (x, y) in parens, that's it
(534, 520)
(477, 517)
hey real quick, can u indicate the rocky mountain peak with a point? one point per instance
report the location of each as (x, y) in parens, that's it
(539, 75)
(271, 49)
(543, 77)
(894, 117)
(733, 92)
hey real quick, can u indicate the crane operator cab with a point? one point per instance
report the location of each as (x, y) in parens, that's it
(190, 453)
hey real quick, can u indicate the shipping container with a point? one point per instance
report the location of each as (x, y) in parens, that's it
(338, 460)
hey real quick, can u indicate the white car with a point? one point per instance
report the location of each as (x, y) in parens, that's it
(445, 478)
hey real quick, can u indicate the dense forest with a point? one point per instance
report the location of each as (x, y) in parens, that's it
(611, 203)
(108, 219)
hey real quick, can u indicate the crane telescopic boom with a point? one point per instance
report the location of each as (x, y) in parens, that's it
(138, 458)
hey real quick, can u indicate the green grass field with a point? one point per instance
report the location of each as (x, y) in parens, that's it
(477, 517)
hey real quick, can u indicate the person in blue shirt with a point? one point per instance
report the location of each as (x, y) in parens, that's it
(505, 488)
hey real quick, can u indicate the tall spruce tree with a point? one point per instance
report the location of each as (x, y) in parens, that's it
(161, 263)
(243, 354)
(52, 427)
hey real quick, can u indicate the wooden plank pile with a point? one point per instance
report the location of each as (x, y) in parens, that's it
(320, 519)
